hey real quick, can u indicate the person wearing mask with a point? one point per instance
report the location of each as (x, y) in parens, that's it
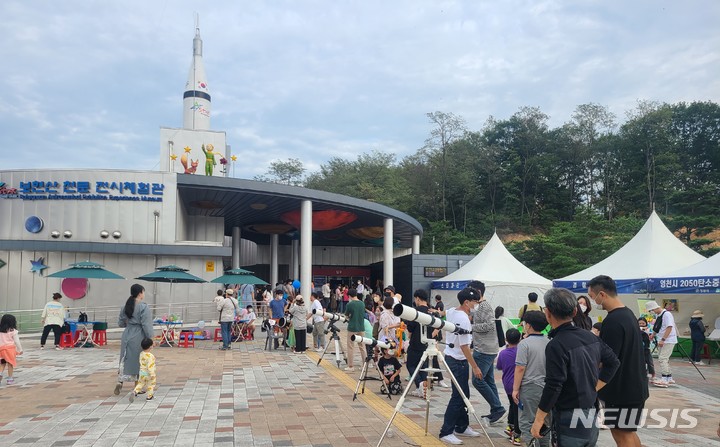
(485, 350)
(582, 318)
(460, 361)
(627, 391)
(666, 336)
(572, 374)
(227, 308)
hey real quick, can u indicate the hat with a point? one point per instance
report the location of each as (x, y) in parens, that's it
(651, 305)
(229, 292)
(468, 293)
(56, 296)
(697, 314)
(390, 288)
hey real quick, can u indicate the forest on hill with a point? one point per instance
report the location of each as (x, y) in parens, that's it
(561, 198)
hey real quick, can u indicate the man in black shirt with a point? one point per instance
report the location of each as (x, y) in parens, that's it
(572, 377)
(626, 393)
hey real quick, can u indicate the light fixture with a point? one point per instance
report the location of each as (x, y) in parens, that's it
(116, 234)
(55, 234)
(104, 234)
(67, 234)
(258, 206)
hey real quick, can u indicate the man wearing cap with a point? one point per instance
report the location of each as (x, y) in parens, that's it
(697, 335)
(625, 394)
(485, 349)
(53, 318)
(459, 359)
(666, 337)
(227, 307)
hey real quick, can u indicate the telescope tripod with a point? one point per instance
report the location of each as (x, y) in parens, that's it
(335, 338)
(364, 377)
(430, 354)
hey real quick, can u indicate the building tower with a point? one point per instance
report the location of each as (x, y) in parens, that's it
(196, 99)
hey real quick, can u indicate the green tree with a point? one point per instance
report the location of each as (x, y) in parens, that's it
(288, 172)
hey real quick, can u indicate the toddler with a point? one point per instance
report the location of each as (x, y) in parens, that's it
(390, 367)
(10, 346)
(147, 378)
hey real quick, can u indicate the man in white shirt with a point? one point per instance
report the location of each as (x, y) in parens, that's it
(666, 336)
(459, 359)
(326, 292)
(317, 322)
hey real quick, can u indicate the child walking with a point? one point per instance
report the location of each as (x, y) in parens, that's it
(506, 363)
(10, 346)
(147, 378)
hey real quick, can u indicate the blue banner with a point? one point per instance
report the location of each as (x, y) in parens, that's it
(695, 284)
(637, 286)
(449, 285)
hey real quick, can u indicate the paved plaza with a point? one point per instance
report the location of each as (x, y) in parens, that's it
(252, 397)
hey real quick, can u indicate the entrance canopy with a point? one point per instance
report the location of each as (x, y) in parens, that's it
(652, 253)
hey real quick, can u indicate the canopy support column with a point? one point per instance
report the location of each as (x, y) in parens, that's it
(305, 248)
(274, 241)
(388, 253)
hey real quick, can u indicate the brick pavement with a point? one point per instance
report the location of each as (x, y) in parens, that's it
(252, 397)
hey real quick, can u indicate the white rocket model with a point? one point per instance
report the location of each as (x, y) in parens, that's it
(196, 99)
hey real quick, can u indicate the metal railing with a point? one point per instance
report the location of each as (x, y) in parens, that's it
(29, 321)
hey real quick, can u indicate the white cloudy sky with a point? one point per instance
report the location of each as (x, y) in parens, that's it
(87, 84)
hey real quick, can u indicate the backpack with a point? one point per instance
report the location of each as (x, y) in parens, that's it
(82, 318)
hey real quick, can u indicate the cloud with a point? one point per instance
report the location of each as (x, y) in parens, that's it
(89, 87)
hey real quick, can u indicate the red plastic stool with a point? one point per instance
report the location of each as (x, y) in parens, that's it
(187, 339)
(66, 340)
(77, 335)
(99, 336)
(218, 334)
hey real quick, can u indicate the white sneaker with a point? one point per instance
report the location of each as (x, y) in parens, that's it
(419, 393)
(700, 363)
(451, 439)
(670, 381)
(469, 432)
(443, 384)
(349, 369)
(319, 350)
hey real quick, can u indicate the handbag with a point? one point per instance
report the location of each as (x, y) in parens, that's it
(500, 334)
(82, 318)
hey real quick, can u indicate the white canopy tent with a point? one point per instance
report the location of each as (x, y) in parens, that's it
(506, 279)
(653, 252)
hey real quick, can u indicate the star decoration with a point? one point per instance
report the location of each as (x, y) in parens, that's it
(187, 149)
(38, 266)
(233, 157)
(173, 157)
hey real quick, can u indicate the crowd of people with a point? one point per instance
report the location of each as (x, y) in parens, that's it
(556, 364)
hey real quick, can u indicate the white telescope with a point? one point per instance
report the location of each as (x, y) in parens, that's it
(330, 316)
(411, 314)
(372, 342)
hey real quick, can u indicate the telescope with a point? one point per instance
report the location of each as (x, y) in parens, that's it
(372, 342)
(330, 316)
(411, 314)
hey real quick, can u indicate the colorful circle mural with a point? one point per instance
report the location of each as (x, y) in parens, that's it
(321, 220)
